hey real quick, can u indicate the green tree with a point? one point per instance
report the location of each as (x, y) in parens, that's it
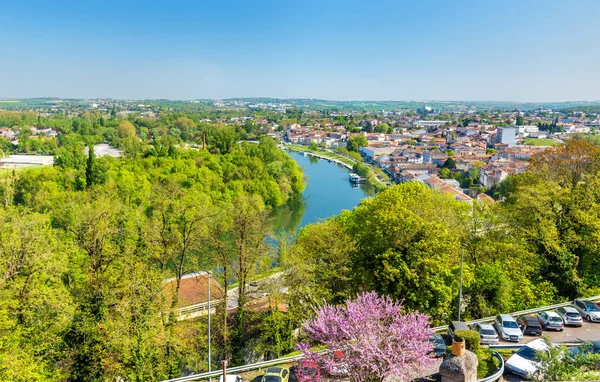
(126, 129)
(520, 120)
(356, 141)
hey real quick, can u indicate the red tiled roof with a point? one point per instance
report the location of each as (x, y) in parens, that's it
(194, 289)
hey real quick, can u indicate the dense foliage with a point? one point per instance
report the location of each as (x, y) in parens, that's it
(85, 246)
(537, 246)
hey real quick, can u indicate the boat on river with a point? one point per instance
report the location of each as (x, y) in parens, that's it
(355, 178)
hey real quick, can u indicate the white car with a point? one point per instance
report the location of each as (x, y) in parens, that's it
(570, 316)
(231, 378)
(551, 320)
(587, 309)
(487, 333)
(525, 362)
(508, 328)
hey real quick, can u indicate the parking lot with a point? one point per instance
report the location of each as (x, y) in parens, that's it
(570, 335)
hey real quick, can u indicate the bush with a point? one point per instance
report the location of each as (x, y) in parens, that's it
(472, 339)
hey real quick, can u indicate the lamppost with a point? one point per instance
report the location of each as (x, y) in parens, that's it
(462, 259)
(208, 282)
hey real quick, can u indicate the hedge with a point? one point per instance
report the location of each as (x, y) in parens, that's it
(472, 339)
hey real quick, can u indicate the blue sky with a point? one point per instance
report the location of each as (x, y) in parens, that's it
(379, 50)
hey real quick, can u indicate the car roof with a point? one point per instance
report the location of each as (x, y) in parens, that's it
(538, 344)
(459, 324)
(486, 326)
(436, 335)
(570, 309)
(551, 313)
(530, 318)
(275, 370)
(506, 317)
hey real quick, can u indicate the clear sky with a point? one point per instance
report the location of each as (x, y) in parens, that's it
(378, 50)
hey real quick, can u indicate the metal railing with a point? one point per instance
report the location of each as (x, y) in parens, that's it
(498, 374)
(520, 313)
(278, 361)
(203, 306)
(238, 369)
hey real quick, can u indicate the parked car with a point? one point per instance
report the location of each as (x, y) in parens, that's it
(530, 325)
(551, 320)
(339, 365)
(231, 378)
(456, 325)
(308, 371)
(439, 345)
(587, 309)
(570, 316)
(588, 347)
(525, 362)
(276, 374)
(487, 333)
(508, 328)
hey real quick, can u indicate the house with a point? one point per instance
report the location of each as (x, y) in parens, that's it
(193, 289)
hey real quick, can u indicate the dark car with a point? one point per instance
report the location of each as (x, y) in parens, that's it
(456, 325)
(530, 325)
(308, 371)
(588, 347)
(439, 345)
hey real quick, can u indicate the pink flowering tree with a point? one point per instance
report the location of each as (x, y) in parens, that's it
(378, 337)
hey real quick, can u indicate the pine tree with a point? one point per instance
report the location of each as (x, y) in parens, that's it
(91, 164)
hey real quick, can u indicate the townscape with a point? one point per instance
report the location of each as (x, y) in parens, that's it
(299, 191)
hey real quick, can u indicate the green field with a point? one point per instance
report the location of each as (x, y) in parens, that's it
(541, 142)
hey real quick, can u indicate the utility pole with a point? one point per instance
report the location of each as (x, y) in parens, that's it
(208, 282)
(462, 259)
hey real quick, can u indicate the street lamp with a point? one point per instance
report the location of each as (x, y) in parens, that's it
(462, 259)
(208, 282)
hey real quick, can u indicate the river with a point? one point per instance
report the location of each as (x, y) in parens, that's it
(328, 191)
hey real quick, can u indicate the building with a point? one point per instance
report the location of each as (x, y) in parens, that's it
(193, 289)
(506, 135)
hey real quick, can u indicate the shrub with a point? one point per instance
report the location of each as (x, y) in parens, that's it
(472, 339)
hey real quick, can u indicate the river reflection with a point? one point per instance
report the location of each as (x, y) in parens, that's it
(328, 192)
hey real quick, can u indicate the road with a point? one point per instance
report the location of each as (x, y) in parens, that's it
(588, 332)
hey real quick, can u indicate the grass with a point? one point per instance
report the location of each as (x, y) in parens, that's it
(326, 154)
(541, 142)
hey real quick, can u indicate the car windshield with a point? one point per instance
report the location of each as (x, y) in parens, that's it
(308, 371)
(528, 353)
(488, 332)
(556, 319)
(510, 324)
(271, 378)
(573, 315)
(592, 307)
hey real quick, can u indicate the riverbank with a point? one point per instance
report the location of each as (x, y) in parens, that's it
(373, 180)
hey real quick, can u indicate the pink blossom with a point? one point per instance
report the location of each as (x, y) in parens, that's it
(378, 338)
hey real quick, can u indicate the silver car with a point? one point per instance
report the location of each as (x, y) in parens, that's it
(487, 333)
(551, 320)
(587, 309)
(508, 328)
(570, 316)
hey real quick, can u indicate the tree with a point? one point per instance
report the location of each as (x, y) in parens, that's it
(520, 121)
(378, 337)
(568, 164)
(450, 164)
(126, 129)
(356, 141)
(313, 146)
(90, 167)
(407, 239)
